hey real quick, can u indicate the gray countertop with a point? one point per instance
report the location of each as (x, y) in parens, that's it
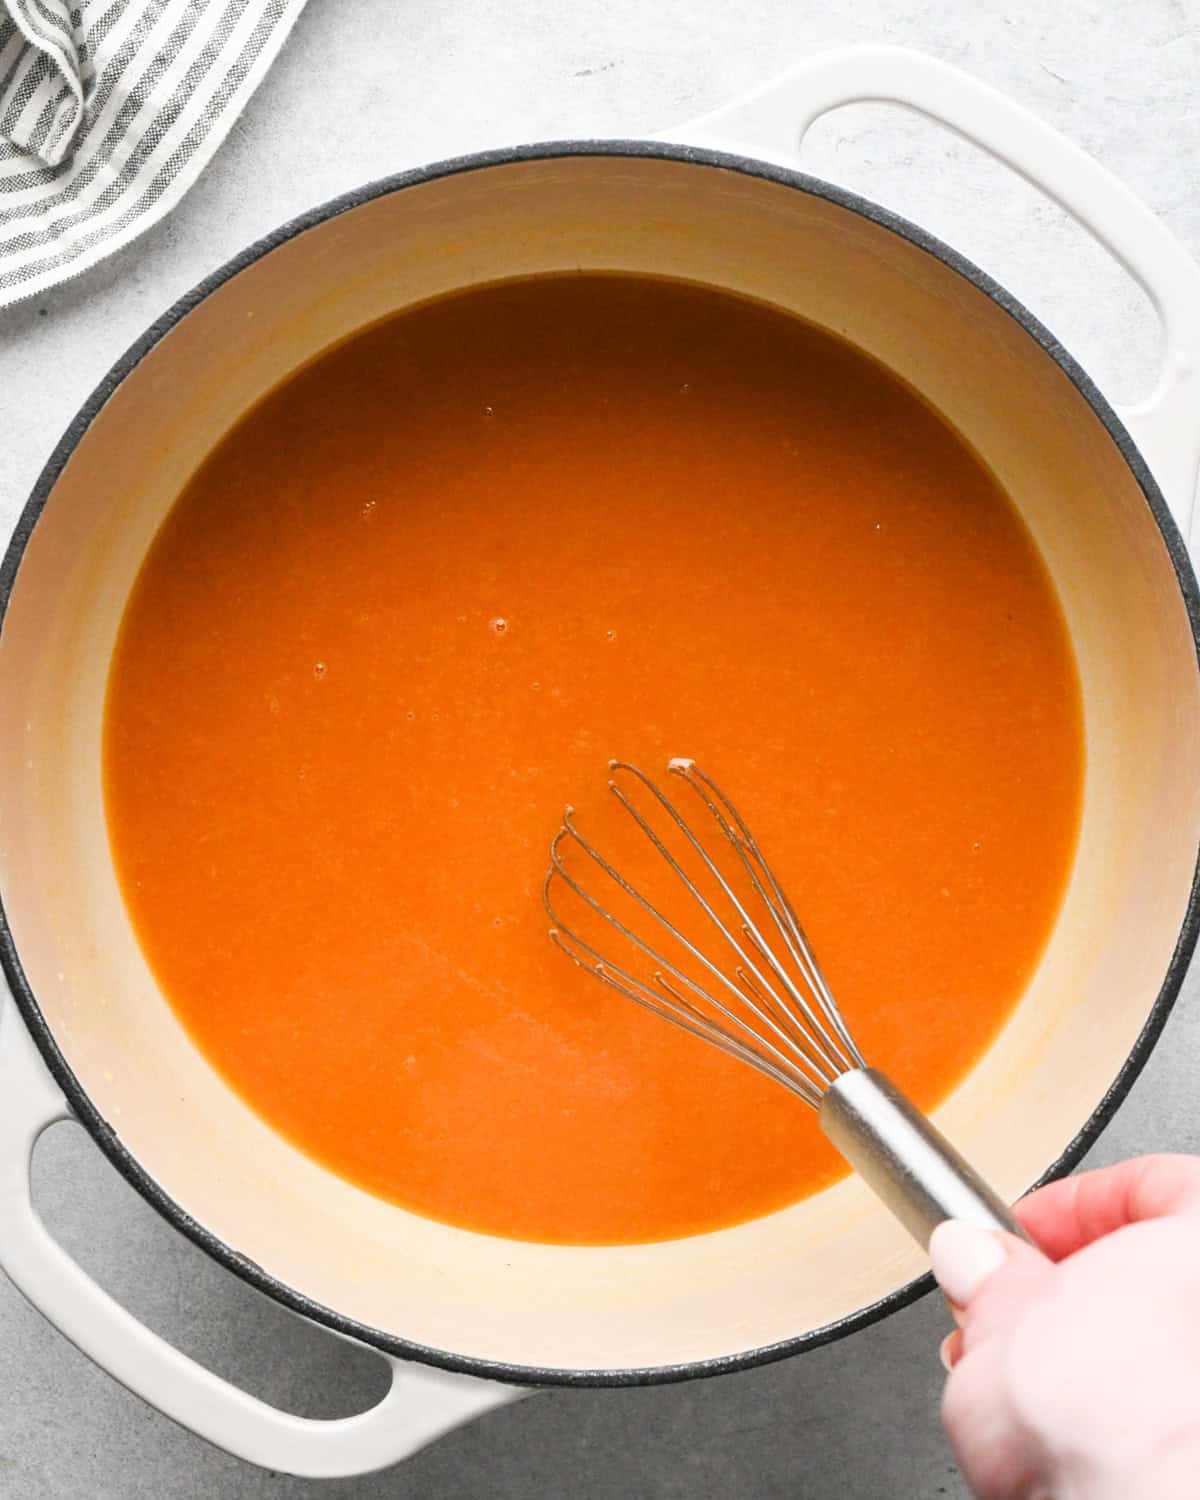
(366, 87)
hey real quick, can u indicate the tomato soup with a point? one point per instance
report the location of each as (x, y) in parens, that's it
(409, 608)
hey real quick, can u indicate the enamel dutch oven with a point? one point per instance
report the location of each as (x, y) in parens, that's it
(469, 1321)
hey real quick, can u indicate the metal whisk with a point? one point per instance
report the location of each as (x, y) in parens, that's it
(752, 987)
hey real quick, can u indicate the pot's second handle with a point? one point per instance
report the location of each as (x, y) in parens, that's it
(772, 123)
(421, 1404)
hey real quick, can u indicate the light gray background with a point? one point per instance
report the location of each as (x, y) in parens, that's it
(366, 87)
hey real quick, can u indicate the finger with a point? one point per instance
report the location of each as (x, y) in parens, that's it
(950, 1350)
(997, 1456)
(989, 1278)
(1064, 1216)
(1021, 1281)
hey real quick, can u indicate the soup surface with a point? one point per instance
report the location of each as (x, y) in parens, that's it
(410, 607)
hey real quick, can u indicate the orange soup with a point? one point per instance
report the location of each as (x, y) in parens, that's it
(409, 608)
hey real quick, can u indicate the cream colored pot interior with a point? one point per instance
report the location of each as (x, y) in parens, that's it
(713, 1295)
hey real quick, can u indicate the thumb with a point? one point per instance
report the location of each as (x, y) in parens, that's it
(989, 1277)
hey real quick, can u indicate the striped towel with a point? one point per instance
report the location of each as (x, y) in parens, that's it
(109, 110)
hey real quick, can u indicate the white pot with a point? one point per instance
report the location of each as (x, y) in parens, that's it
(93, 1038)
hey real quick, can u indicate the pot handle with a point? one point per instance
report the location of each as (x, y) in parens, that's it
(772, 121)
(421, 1404)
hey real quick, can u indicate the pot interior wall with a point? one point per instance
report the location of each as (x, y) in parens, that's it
(717, 1294)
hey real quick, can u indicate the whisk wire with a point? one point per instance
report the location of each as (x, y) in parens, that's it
(778, 1017)
(788, 926)
(603, 967)
(797, 938)
(680, 1012)
(781, 1019)
(781, 909)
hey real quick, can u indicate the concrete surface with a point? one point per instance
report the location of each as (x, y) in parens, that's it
(369, 86)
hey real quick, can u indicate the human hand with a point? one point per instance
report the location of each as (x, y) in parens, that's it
(1075, 1373)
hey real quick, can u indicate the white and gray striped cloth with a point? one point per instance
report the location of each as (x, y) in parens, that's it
(109, 110)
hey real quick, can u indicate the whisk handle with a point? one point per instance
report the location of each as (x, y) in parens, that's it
(914, 1170)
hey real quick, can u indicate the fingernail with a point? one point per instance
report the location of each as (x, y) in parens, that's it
(944, 1353)
(963, 1256)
